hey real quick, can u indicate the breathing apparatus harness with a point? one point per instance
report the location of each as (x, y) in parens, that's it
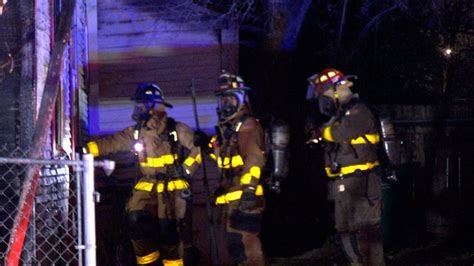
(341, 111)
(229, 134)
(170, 135)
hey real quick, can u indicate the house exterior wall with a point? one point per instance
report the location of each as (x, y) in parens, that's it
(136, 46)
(71, 105)
(80, 67)
(132, 44)
(26, 33)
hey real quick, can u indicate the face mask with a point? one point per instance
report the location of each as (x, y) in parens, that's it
(327, 105)
(226, 111)
(228, 104)
(141, 112)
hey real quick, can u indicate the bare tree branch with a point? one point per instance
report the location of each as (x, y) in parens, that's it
(343, 18)
(367, 27)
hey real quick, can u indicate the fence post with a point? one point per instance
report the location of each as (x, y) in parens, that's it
(79, 173)
(89, 209)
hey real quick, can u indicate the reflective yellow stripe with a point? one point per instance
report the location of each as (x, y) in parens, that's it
(172, 185)
(159, 161)
(372, 138)
(327, 134)
(235, 195)
(190, 160)
(93, 148)
(352, 168)
(213, 156)
(246, 178)
(154, 256)
(226, 162)
(198, 158)
(255, 171)
(173, 262)
(211, 142)
(144, 186)
(231, 196)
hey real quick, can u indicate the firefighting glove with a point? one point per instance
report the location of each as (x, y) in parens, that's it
(315, 136)
(248, 201)
(201, 139)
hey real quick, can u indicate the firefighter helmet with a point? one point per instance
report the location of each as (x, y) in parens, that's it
(325, 80)
(232, 96)
(149, 93)
(228, 81)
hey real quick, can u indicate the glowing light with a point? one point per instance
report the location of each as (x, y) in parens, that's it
(2, 4)
(138, 147)
(448, 51)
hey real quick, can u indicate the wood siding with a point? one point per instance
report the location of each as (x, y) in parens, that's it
(136, 46)
(115, 113)
(71, 98)
(80, 70)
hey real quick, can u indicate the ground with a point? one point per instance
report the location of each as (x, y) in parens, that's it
(436, 251)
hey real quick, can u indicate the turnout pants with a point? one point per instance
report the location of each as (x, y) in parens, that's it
(242, 234)
(153, 217)
(358, 211)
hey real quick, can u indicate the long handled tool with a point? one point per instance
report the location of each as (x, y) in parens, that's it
(212, 235)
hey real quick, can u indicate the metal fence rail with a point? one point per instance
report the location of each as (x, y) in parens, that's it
(64, 197)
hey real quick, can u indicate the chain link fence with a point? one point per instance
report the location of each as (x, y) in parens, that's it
(53, 231)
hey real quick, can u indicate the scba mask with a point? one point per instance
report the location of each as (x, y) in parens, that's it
(327, 105)
(229, 103)
(142, 111)
(148, 99)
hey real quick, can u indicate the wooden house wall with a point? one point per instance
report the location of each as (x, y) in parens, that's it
(71, 105)
(137, 46)
(130, 45)
(80, 68)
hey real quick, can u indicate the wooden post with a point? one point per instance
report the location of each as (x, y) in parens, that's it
(40, 134)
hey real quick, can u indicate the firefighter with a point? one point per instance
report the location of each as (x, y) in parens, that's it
(239, 152)
(158, 201)
(350, 138)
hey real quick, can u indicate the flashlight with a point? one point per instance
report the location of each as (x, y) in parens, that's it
(138, 147)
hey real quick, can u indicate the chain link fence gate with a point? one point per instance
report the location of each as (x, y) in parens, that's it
(61, 224)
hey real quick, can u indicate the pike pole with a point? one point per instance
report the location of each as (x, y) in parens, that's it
(212, 235)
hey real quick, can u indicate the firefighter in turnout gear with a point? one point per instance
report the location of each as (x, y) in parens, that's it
(239, 152)
(350, 139)
(159, 197)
